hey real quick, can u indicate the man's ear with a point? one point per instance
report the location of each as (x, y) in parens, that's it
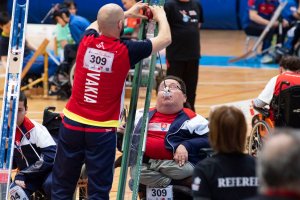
(120, 24)
(185, 98)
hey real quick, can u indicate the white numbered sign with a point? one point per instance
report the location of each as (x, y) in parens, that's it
(160, 193)
(17, 193)
(95, 59)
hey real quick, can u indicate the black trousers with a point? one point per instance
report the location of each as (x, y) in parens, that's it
(296, 36)
(188, 72)
(70, 52)
(255, 29)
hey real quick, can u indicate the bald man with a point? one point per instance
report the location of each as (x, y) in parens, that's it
(92, 114)
(278, 167)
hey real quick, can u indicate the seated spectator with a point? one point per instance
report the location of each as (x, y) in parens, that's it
(77, 25)
(63, 34)
(292, 13)
(230, 173)
(260, 14)
(175, 136)
(278, 167)
(289, 71)
(34, 154)
(131, 25)
(37, 68)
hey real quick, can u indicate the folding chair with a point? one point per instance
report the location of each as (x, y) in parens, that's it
(41, 50)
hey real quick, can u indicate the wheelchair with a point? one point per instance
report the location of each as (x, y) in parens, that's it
(286, 111)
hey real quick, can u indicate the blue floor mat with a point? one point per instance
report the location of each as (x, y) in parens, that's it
(222, 61)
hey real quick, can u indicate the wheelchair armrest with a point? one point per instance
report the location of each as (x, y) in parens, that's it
(207, 152)
(264, 111)
(182, 191)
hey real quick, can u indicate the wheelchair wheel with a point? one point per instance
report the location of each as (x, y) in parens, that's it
(38, 195)
(82, 189)
(257, 135)
(81, 192)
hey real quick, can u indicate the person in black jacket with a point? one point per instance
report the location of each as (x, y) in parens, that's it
(229, 174)
(185, 18)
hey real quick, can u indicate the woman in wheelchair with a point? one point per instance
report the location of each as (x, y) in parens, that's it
(282, 95)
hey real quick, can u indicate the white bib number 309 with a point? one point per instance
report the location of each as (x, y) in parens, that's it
(160, 193)
(95, 59)
(17, 193)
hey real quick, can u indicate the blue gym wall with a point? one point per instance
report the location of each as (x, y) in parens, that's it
(218, 14)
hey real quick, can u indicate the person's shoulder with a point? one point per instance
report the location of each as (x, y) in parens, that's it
(207, 166)
(91, 32)
(39, 129)
(79, 18)
(249, 159)
(38, 125)
(208, 162)
(136, 44)
(191, 114)
(129, 41)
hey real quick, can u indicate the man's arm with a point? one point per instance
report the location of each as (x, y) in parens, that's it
(133, 12)
(258, 19)
(163, 39)
(196, 143)
(265, 97)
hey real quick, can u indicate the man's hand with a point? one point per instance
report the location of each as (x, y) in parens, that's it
(121, 129)
(285, 23)
(20, 183)
(275, 25)
(134, 11)
(181, 155)
(158, 12)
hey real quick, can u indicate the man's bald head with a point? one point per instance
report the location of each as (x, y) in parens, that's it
(279, 161)
(109, 17)
(277, 146)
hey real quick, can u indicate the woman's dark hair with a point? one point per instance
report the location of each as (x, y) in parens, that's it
(60, 10)
(23, 98)
(227, 130)
(69, 3)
